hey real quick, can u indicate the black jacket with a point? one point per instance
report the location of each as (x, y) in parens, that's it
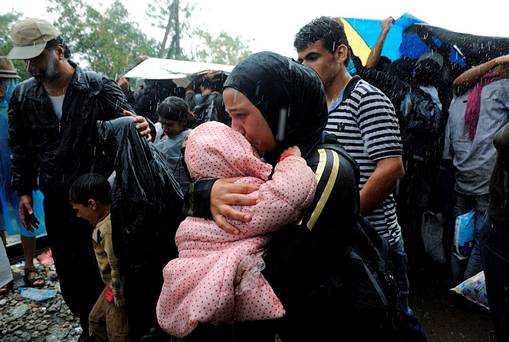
(302, 258)
(499, 187)
(57, 152)
(144, 215)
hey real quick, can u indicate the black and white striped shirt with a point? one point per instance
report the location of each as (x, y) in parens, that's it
(366, 125)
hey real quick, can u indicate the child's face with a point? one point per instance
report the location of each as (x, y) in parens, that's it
(87, 212)
(172, 128)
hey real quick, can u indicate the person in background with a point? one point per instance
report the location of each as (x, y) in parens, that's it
(173, 114)
(363, 121)
(8, 199)
(209, 106)
(475, 116)
(53, 138)
(496, 247)
(5, 270)
(123, 83)
(154, 92)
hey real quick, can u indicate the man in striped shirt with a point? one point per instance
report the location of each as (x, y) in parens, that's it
(365, 124)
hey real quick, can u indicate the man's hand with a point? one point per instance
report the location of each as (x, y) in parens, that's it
(387, 23)
(223, 195)
(141, 124)
(26, 213)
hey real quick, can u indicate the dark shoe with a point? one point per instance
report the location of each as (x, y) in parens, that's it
(85, 338)
(4, 291)
(32, 278)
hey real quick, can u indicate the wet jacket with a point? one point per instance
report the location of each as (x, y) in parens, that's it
(499, 184)
(57, 152)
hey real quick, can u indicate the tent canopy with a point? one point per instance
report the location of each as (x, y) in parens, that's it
(164, 69)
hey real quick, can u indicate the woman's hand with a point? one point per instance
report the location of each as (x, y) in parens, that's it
(225, 194)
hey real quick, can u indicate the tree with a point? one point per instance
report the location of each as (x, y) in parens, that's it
(166, 15)
(173, 19)
(223, 49)
(6, 22)
(109, 42)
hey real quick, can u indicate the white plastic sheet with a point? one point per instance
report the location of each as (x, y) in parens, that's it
(163, 69)
(5, 267)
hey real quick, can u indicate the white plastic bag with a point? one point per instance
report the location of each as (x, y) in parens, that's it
(474, 289)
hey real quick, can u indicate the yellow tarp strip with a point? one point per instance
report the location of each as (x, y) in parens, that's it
(357, 43)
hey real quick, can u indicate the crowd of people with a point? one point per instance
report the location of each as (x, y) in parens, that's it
(276, 202)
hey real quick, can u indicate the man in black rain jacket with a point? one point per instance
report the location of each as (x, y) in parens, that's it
(52, 134)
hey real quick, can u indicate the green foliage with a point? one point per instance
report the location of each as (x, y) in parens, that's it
(174, 19)
(6, 22)
(223, 49)
(109, 42)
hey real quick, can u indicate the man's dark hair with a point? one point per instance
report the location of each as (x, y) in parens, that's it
(324, 29)
(90, 186)
(214, 81)
(52, 45)
(173, 108)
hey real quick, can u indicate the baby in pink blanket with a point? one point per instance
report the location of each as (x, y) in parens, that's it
(217, 276)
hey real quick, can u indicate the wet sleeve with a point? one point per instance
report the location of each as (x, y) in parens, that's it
(116, 281)
(23, 158)
(197, 199)
(501, 140)
(113, 100)
(504, 95)
(379, 126)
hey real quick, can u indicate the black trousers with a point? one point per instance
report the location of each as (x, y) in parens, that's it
(496, 270)
(71, 244)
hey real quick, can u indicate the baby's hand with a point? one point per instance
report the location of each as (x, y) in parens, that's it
(294, 151)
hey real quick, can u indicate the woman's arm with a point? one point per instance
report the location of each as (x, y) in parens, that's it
(215, 199)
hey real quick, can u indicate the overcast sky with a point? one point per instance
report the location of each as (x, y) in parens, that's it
(272, 24)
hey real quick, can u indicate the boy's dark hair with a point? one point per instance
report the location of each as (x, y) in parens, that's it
(52, 44)
(90, 186)
(173, 108)
(330, 32)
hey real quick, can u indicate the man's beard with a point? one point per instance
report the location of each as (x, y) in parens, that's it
(51, 73)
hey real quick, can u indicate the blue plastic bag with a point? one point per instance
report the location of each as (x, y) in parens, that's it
(38, 295)
(464, 231)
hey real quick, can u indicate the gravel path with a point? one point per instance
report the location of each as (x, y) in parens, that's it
(23, 319)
